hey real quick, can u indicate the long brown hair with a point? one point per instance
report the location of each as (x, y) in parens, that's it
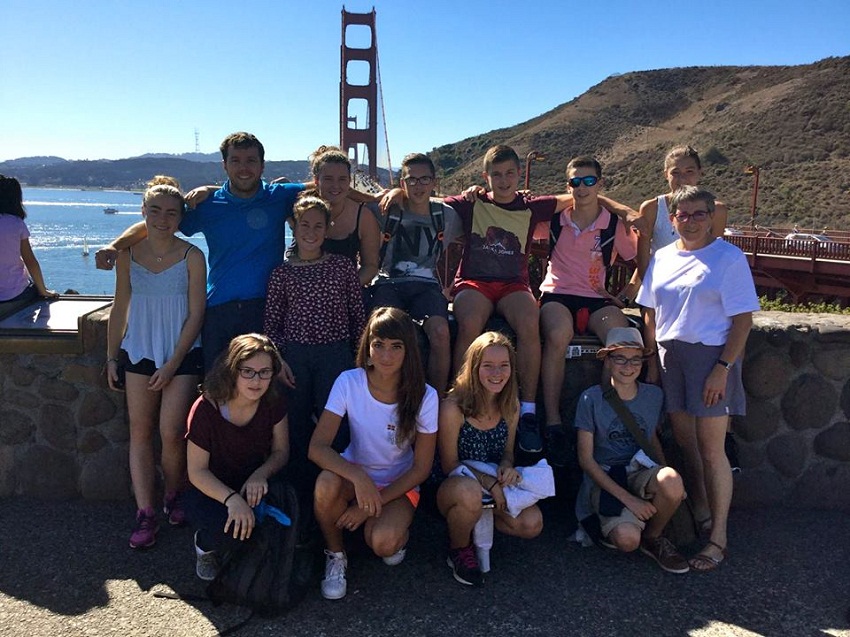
(468, 393)
(220, 383)
(392, 323)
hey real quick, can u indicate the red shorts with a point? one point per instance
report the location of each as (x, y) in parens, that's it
(495, 291)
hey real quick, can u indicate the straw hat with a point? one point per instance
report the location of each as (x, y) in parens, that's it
(623, 338)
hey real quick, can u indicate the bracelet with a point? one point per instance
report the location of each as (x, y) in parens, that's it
(495, 482)
(232, 493)
(112, 360)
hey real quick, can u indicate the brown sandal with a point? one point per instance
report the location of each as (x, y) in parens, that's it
(704, 563)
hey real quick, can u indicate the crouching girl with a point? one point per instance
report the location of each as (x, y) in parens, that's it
(392, 416)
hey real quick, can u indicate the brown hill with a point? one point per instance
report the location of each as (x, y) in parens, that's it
(792, 121)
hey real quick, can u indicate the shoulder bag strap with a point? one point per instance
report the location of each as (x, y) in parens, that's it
(628, 419)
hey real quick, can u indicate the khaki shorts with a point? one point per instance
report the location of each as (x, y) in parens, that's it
(637, 481)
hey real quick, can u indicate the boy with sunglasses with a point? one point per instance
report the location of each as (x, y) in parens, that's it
(413, 241)
(574, 298)
(633, 496)
(498, 226)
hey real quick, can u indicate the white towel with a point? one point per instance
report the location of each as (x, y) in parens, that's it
(536, 483)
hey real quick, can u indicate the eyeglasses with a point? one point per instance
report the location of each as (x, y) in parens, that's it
(622, 360)
(248, 373)
(699, 215)
(425, 181)
(588, 181)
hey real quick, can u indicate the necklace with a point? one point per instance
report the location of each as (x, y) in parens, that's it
(334, 217)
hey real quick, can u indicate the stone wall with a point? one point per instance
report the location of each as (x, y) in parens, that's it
(64, 434)
(794, 443)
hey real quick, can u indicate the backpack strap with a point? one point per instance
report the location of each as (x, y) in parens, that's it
(391, 224)
(554, 231)
(438, 221)
(606, 240)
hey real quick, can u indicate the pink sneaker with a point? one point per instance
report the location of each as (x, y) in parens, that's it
(174, 509)
(144, 533)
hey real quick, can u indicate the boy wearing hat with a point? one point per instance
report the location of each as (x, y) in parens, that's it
(633, 495)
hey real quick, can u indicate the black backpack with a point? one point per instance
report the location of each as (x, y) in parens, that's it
(271, 572)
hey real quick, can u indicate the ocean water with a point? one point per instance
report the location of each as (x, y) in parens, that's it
(62, 222)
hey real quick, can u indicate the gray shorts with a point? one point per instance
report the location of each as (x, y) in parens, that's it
(684, 369)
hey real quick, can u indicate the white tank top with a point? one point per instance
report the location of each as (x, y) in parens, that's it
(663, 233)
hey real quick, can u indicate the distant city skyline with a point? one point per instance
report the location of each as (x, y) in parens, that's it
(98, 80)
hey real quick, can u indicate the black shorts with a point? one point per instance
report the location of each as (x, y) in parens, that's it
(192, 365)
(574, 303)
(420, 299)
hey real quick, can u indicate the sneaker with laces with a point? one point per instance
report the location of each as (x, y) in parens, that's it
(464, 565)
(173, 509)
(334, 585)
(528, 434)
(664, 552)
(396, 558)
(556, 446)
(206, 562)
(144, 533)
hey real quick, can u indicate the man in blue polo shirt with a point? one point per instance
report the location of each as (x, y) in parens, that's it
(244, 223)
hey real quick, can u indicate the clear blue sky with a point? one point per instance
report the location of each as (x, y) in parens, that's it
(91, 79)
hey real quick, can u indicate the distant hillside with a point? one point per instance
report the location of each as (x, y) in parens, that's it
(792, 121)
(133, 173)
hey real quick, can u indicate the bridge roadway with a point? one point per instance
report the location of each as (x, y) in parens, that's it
(804, 268)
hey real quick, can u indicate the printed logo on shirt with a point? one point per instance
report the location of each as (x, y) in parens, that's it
(391, 433)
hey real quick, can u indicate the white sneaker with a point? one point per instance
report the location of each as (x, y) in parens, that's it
(396, 558)
(206, 563)
(334, 585)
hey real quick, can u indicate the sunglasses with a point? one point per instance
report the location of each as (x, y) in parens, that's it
(699, 215)
(622, 360)
(248, 373)
(425, 181)
(588, 181)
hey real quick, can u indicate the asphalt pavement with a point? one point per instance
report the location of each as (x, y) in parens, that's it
(66, 569)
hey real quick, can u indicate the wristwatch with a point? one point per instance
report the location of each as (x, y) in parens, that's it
(626, 301)
(724, 364)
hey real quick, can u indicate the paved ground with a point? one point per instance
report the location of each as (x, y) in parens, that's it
(65, 569)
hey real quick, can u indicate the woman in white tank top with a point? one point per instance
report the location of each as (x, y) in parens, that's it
(160, 296)
(682, 167)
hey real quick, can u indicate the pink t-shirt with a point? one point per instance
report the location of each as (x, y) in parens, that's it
(575, 266)
(13, 273)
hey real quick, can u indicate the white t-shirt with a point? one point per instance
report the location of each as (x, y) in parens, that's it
(695, 294)
(373, 427)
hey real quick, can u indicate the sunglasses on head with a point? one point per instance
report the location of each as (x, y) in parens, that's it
(588, 181)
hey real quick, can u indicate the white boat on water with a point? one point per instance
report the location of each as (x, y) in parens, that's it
(110, 211)
(85, 246)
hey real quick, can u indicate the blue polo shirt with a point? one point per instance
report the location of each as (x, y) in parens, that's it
(245, 237)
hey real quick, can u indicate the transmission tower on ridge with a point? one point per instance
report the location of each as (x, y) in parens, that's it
(197, 140)
(352, 96)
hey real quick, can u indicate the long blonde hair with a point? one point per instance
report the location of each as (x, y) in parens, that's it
(468, 393)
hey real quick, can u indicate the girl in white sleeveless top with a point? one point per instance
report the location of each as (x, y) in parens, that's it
(682, 167)
(160, 296)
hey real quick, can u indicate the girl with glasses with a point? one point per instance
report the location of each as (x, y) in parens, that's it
(156, 317)
(699, 298)
(374, 483)
(238, 439)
